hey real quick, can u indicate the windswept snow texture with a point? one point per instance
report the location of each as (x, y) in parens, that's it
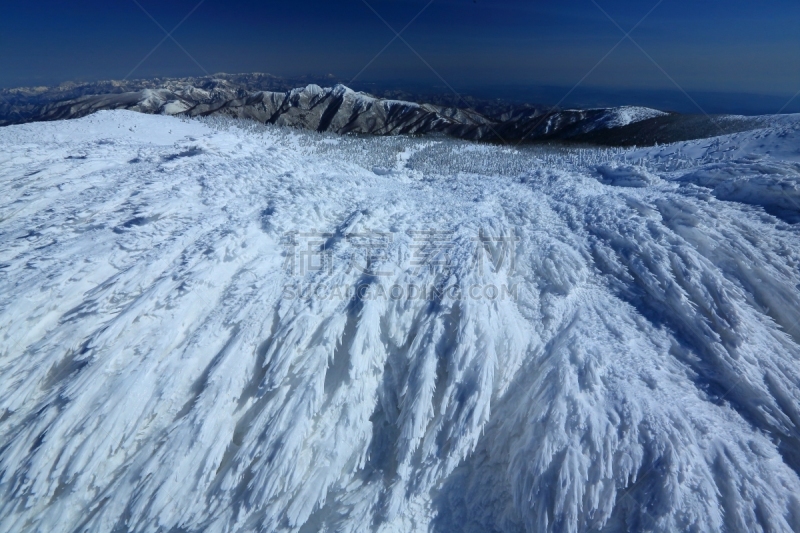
(164, 369)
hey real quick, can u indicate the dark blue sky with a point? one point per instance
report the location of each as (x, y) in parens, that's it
(705, 46)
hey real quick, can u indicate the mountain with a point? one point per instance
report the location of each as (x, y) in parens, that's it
(338, 109)
(214, 326)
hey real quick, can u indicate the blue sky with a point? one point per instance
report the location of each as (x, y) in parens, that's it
(704, 46)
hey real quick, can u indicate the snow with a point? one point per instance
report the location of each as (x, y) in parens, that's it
(169, 362)
(618, 117)
(174, 107)
(623, 116)
(626, 175)
(760, 167)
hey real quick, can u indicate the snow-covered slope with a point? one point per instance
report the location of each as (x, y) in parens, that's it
(618, 117)
(606, 341)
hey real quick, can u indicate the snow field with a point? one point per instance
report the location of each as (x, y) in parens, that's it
(156, 377)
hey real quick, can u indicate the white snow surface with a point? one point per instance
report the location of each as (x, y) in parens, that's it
(625, 115)
(155, 376)
(617, 117)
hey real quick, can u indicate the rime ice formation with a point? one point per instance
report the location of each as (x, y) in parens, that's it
(211, 325)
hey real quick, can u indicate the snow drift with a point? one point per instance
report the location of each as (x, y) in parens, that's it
(588, 354)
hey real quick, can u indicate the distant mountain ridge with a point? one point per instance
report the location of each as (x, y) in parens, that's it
(273, 100)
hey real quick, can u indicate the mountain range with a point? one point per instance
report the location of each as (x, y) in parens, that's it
(304, 103)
